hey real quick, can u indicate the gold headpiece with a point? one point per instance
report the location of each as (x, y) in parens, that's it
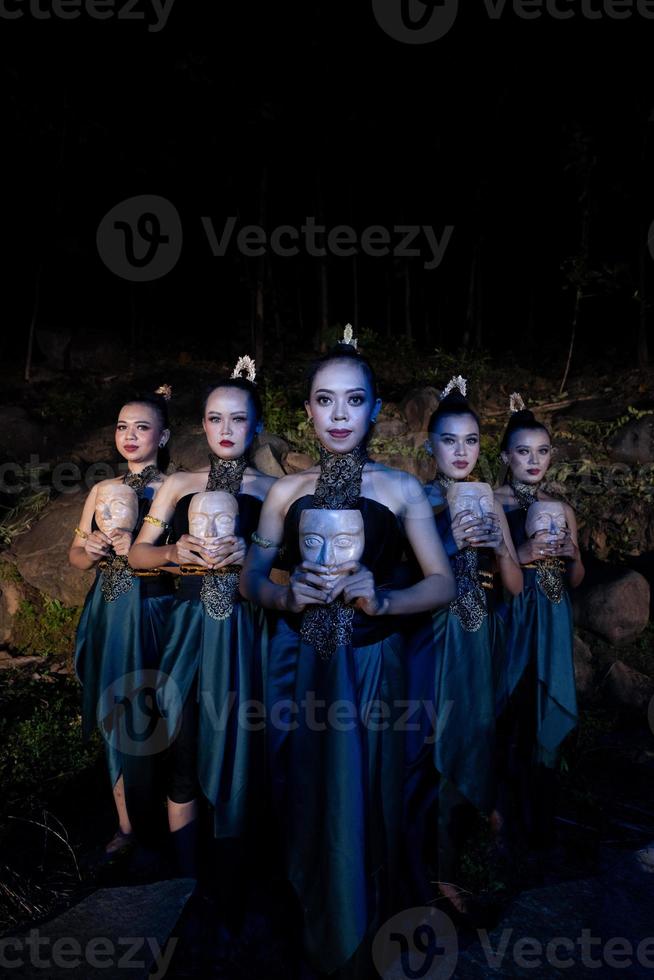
(516, 403)
(348, 337)
(164, 390)
(246, 364)
(457, 382)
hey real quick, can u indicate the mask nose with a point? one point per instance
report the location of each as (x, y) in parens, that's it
(326, 556)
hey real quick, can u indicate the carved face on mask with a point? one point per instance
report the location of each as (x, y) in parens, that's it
(475, 497)
(212, 514)
(331, 537)
(116, 508)
(546, 516)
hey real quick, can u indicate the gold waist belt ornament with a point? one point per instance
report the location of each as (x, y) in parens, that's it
(549, 577)
(219, 590)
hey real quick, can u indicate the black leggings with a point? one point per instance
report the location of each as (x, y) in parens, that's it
(182, 766)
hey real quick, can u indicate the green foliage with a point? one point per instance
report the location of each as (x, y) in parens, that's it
(45, 627)
(280, 415)
(474, 365)
(21, 517)
(70, 404)
(40, 733)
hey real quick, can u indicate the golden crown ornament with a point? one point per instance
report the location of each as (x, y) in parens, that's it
(457, 382)
(246, 364)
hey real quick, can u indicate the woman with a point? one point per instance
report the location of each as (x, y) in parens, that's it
(211, 664)
(122, 621)
(337, 647)
(536, 696)
(452, 658)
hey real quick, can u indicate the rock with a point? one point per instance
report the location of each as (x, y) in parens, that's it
(99, 447)
(265, 460)
(628, 688)
(390, 428)
(42, 553)
(418, 406)
(96, 351)
(583, 658)
(278, 445)
(188, 448)
(12, 593)
(634, 442)
(20, 436)
(590, 409)
(615, 607)
(297, 462)
(92, 935)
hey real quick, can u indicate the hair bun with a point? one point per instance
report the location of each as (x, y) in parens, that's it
(165, 391)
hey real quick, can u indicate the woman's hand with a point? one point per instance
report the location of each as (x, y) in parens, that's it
(489, 534)
(566, 547)
(230, 551)
(466, 528)
(536, 548)
(121, 541)
(356, 583)
(190, 550)
(307, 587)
(97, 545)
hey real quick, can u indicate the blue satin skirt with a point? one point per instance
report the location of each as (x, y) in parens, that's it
(117, 652)
(335, 752)
(541, 633)
(451, 683)
(219, 662)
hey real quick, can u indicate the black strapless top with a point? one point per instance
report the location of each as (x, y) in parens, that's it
(517, 520)
(249, 509)
(382, 555)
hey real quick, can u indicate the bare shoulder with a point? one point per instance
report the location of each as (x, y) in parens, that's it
(393, 487)
(504, 494)
(288, 488)
(258, 484)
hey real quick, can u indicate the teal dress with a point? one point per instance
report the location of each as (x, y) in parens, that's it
(452, 660)
(537, 682)
(451, 663)
(210, 685)
(117, 651)
(333, 693)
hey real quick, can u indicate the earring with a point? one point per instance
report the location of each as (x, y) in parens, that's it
(373, 421)
(311, 422)
(427, 447)
(161, 445)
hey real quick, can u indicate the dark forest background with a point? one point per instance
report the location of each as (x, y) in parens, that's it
(532, 138)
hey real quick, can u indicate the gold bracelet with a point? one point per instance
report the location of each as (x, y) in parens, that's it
(80, 533)
(149, 519)
(262, 542)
